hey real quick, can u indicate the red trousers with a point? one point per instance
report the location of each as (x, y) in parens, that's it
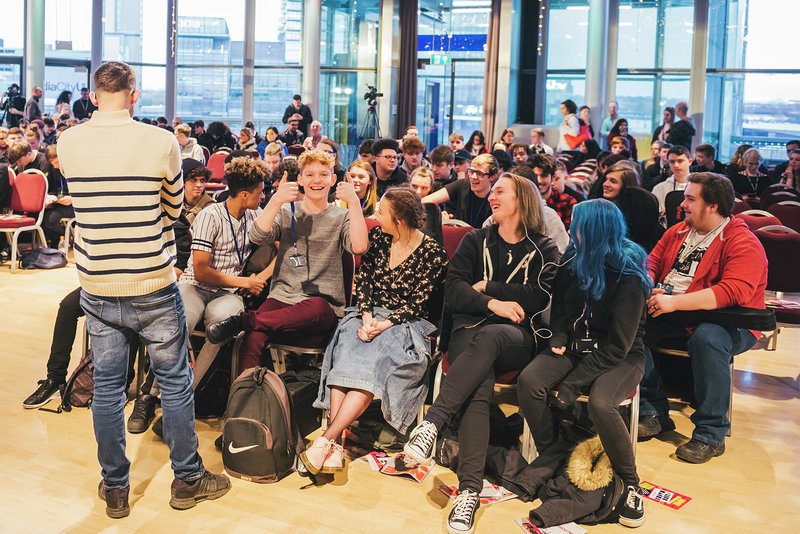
(309, 323)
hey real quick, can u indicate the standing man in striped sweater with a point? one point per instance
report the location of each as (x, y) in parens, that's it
(127, 190)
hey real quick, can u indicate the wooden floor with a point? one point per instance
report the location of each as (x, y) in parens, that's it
(49, 472)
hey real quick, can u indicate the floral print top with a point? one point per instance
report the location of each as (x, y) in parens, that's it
(407, 288)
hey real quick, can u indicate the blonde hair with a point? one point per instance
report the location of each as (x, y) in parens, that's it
(424, 172)
(529, 204)
(371, 199)
(456, 136)
(487, 160)
(273, 149)
(316, 156)
(185, 129)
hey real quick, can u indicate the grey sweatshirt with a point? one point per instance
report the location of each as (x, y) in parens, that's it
(321, 239)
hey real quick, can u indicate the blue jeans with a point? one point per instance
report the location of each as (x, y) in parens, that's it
(159, 320)
(711, 349)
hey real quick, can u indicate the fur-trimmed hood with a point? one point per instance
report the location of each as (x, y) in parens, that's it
(589, 467)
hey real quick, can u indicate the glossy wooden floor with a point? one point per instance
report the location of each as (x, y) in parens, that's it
(49, 472)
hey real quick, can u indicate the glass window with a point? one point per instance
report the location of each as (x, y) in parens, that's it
(279, 36)
(68, 29)
(452, 40)
(152, 81)
(273, 90)
(12, 30)
(209, 93)
(642, 98)
(567, 34)
(211, 32)
(127, 38)
(756, 108)
(349, 34)
(343, 111)
(655, 34)
(560, 87)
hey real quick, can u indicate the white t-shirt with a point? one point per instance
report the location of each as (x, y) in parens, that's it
(689, 256)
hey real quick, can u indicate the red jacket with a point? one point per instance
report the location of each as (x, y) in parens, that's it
(734, 266)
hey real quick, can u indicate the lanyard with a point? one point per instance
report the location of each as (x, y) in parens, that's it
(588, 306)
(294, 237)
(239, 254)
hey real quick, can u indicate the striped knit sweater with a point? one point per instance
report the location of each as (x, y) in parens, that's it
(127, 190)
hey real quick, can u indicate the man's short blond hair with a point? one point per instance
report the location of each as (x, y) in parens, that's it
(185, 129)
(273, 149)
(316, 156)
(114, 76)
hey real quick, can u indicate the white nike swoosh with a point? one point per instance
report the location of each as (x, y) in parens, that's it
(235, 450)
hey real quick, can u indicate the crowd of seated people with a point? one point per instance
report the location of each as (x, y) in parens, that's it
(537, 213)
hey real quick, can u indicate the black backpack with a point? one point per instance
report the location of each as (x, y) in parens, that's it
(259, 437)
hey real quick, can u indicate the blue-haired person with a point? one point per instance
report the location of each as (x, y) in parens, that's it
(597, 340)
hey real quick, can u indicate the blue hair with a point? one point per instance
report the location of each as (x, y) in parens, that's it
(598, 243)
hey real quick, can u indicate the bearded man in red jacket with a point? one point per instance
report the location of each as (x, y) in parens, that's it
(710, 260)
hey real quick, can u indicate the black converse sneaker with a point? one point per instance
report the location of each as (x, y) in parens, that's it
(462, 517)
(632, 512)
(421, 442)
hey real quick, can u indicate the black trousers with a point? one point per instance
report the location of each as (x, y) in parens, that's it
(606, 393)
(64, 330)
(51, 224)
(475, 356)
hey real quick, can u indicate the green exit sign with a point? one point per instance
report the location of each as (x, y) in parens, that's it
(440, 59)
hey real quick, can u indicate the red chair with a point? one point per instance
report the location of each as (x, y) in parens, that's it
(788, 214)
(756, 221)
(452, 238)
(28, 193)
(783, 255)
(778, 196)
(773, 188)
(296, 150)
(217, 165)
(206, 153)
(739, 206)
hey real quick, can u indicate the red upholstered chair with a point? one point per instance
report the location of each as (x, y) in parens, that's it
(788, 213)
(755, 221)
(28, 192)
(296, 150)
(778, 196)
(216, 163)
(774, 187)
(739, 206)
(783, 255)
(452, 237)
(206, 153)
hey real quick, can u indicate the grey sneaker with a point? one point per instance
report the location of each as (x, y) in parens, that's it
(207, 487)
(462, 517)
(421, 442)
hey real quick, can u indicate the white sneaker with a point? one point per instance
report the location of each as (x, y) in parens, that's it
(462, 517)
(421, 442)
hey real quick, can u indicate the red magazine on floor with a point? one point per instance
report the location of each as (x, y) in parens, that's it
(398, 466)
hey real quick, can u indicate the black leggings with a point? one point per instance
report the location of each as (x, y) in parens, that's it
(475, 356)
(64, 330)
(607, 392)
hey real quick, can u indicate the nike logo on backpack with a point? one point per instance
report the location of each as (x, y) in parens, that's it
(235, 450)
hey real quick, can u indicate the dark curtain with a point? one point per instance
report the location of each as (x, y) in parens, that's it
(490, 83)
(407, 95)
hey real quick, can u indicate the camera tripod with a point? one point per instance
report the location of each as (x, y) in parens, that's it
(371, 124)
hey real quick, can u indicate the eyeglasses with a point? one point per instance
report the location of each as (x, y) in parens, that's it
(389, 158)
(479, 174)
